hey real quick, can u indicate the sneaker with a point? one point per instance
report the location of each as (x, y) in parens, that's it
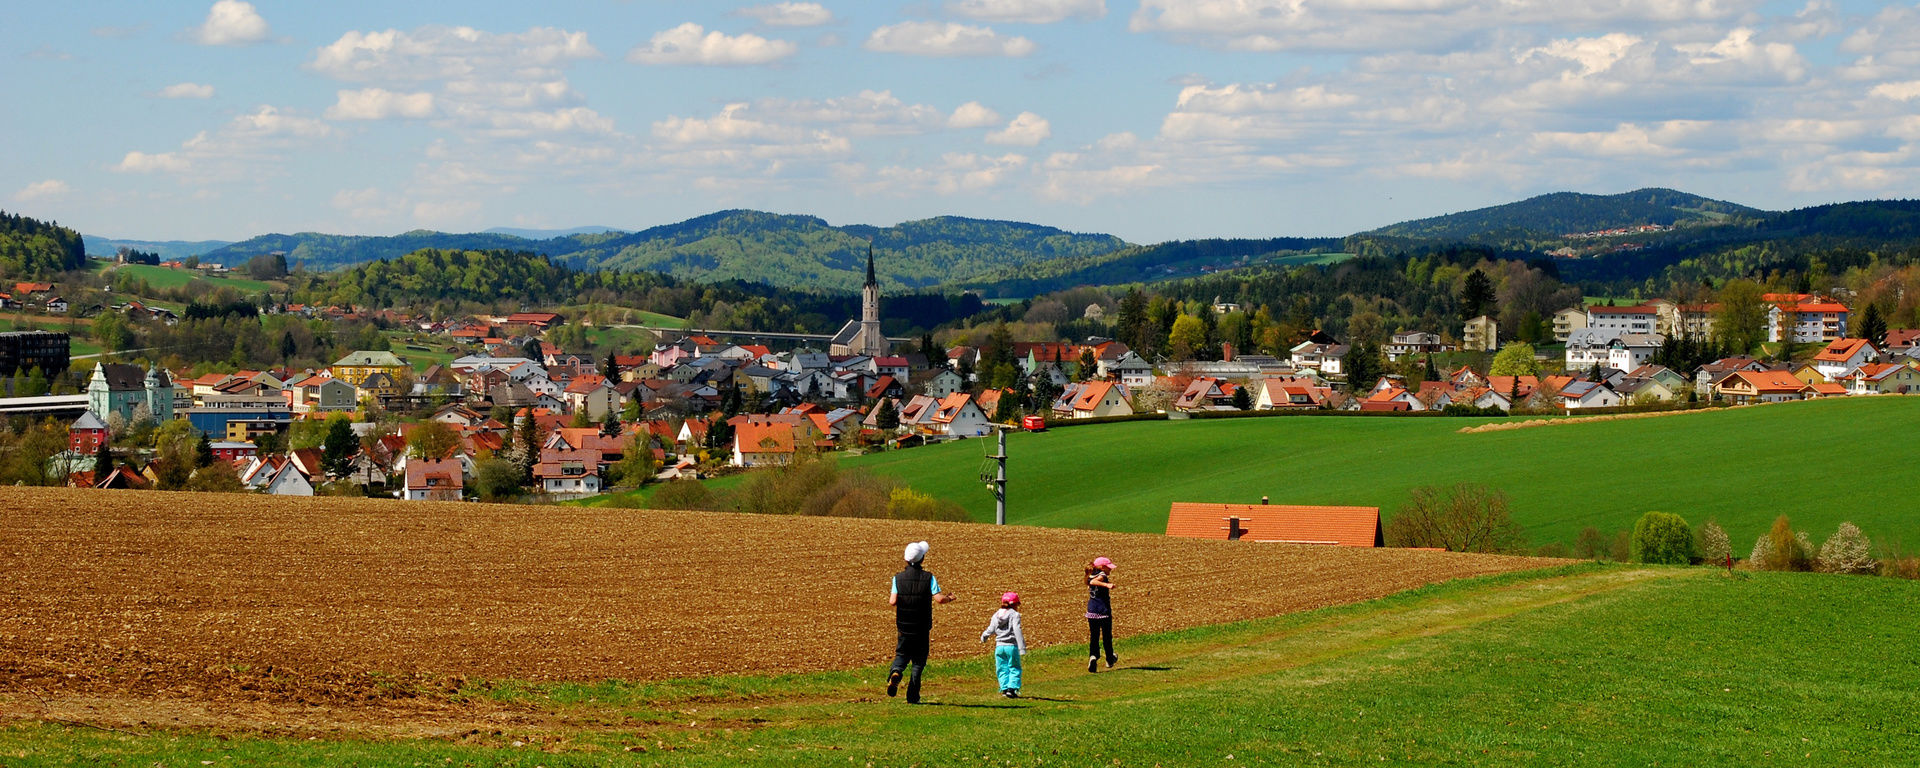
(893, 684)
(1010, 693)
(1112, 660)
(913, 694)
(1093, 663)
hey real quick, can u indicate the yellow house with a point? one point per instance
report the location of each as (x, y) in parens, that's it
(357, 366)
(1481, 334)
(1809, 375)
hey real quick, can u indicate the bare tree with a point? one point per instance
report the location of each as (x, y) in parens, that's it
(1465, 518)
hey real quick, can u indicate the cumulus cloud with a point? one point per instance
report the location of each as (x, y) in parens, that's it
(933, 38)
(186, 91)
(973, 115)
(232, 22)
(380, 104)
(690, 43)
(241, 147)
(49, 189)
(1902, 91)
(1359, 25)
(1028, 11)
(451, 53)
(953, 173)
(789, 14)
(1025, 130)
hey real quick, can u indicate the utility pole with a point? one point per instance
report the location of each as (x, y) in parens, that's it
(998, 483)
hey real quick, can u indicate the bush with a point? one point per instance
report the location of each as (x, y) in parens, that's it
(1659, 537)
(1591, 544)
(683, 494)
(1715, 547)
(1847, 551)
(1782, 550)
(1622, 550)
(1464, 518)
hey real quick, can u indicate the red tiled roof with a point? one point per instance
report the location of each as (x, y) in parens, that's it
(1841, 350)
(1342, 526)
(777, 438)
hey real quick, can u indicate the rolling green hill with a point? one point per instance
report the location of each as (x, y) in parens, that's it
(1559, 213)
(1740, 466)
(806, 252)
(1147, 263)
(322, 252)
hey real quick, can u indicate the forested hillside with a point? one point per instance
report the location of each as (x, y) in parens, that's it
(1553, 215)
(321, 251)
(806, 252)
(1148, 262)
(33, 248)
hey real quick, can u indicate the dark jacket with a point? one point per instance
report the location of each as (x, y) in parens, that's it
(913, 599)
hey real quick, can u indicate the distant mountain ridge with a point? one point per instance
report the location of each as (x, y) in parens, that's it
(549, 234)
(788, 251)
(104, 247)
(1562, 213)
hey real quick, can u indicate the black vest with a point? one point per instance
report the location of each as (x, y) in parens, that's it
(1099, 599)
(913, 603)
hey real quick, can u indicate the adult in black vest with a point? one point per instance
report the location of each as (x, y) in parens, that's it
(914, 593)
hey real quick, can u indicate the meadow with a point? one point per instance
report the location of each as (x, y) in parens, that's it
(1582, 665)
(167, 278)
(1822, 462)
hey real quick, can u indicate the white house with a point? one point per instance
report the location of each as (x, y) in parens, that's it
(1610, 349)
(1636, 319)
(956, 415)
(1093, 399)
(1587, 394)
(944, 382)
(1842, 356)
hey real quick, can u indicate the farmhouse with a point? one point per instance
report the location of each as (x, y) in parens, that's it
(1842, 356)
(357, 366)
(1093, 399)
(434, 480)
(1745, 387)
(1279, 523)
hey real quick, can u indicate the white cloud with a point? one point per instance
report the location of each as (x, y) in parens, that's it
(232, 22)
(1360, 25)
(1593, 54)
(186, 91)
(789, 14)
(1239, 98)
(973, 115)
(1902, 91)
(933, 38)
(692, 44)
(49, 189)
(1738, 52)
(380, 104)
(451, 53)
(1026, 129)
(954, 173)
(141, 162)
(1028, 11)
(246, 146)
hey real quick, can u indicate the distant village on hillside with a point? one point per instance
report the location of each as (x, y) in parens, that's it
(515, 414)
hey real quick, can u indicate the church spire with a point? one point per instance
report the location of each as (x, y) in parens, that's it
(870, 280)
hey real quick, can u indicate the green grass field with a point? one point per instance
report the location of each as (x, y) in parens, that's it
(1586, 665)
(1822, 462)
(165, 277)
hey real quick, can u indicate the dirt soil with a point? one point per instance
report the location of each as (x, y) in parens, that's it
(230, 603)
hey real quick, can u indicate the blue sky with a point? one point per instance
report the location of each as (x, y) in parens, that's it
(1148, 119)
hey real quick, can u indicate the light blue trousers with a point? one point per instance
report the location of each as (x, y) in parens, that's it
(1007, 658)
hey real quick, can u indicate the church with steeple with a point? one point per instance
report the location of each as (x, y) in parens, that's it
(862, 336)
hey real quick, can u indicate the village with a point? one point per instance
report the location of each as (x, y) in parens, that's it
(573, 424)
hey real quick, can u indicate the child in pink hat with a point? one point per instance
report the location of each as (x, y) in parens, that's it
(1100, 613)
(1009, 643)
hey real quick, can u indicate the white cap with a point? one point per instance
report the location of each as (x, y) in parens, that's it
(916, 551)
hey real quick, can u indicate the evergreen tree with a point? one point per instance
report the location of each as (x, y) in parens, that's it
(610, 367)
(287, 347)
(1007, 411)
(203, 452)
(529, 447)
(1433, 374)
(610, 427)
(1362, 366)
(1873, 326)
(1476, 296)
(1087, 365)
(887, 418)
(1131, 327)
(337, 450)
(1242, 400)
(102, 458)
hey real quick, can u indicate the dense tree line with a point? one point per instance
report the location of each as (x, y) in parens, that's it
(30, 248)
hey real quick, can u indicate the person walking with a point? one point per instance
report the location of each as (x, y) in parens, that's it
(1100, 613)
(1009, 643)
(915, 591)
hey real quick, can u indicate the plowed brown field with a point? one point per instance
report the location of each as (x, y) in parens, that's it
(235, 598)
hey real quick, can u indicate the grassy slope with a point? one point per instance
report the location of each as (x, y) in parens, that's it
(1741, 466)
(1581, 666)
(164, 277)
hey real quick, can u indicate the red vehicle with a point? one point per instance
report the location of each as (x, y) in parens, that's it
(1034, 423)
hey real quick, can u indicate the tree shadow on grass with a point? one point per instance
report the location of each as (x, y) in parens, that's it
(1143, 669)
(970, 706)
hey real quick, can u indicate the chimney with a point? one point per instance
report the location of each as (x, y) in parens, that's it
(1226, 351)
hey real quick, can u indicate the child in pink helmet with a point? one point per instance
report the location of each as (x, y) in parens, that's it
(1009, 643)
